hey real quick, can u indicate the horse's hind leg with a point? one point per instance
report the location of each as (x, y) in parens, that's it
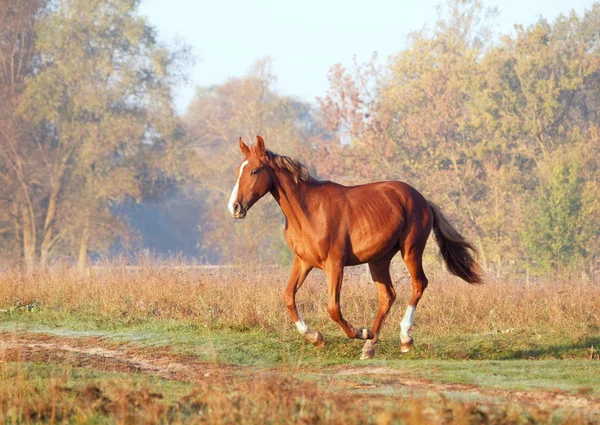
(413, 257)
(299, 272)
(380, 272)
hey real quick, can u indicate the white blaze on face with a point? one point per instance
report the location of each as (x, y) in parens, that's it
(234, 192)
(406, 324)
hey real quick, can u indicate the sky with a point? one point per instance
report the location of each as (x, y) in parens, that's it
(306, 38)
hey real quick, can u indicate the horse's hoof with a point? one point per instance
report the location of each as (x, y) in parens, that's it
(405, 347)
(368, 352)
(316, 338)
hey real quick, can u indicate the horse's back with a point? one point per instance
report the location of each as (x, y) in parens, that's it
(388, 197)
(380, 215)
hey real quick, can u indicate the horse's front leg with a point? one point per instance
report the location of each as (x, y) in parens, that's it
(299, 272)
(335, 276)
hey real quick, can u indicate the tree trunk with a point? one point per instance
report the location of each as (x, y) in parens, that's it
(44, 250)
(29, 239)
(82, 260)
(47, 240)
(482, 253)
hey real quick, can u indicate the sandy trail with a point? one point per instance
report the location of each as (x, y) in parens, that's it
(96, 353)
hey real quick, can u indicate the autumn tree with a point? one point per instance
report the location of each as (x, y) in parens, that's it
(409, 121)
(101, 101)
(216, 118)
(18, 57)
(537, 101)
(473, 122)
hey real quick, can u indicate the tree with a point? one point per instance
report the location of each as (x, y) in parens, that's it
(101, 99)
(18, 57)
(536, 100)
(473, 122)
(562, 216)
(409, 121)
(216, 118)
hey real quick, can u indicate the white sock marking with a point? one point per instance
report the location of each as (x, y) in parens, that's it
(234, 192)
(406, 324)
(302, 326)
(362, 333)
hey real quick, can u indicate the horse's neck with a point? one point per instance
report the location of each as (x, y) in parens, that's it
(291, 197)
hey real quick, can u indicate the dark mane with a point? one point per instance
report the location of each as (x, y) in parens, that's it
(298, 170)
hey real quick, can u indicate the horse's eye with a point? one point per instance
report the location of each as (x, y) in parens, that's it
(255, 171)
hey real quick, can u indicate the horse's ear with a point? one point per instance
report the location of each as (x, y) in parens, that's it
(243, 147)
(260, 145)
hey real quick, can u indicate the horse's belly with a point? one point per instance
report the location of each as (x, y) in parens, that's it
(370, 242)
(370, 249)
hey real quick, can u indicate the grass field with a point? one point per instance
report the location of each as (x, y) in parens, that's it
(170, 344)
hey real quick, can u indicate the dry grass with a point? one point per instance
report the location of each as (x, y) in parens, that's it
(250, 297)
(272, 399)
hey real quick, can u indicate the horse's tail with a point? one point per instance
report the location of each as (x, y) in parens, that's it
(455, 249)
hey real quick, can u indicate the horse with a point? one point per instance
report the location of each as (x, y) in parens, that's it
(330, 226)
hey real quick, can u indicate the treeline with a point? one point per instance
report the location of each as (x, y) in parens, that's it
(502, 132)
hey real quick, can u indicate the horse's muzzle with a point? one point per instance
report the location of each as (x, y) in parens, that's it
(239, 211)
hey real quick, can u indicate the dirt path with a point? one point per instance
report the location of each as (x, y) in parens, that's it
(540, 398)
(96, 353)
(99, 354)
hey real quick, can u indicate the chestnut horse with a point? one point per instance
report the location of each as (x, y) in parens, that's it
(330, 226)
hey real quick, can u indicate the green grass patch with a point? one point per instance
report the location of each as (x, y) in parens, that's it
(257, 346)
(522, 375)
(74, 379)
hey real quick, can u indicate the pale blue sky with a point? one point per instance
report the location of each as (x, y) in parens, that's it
(305, 38)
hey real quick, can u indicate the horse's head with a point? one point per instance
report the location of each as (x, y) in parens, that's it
(254, 179)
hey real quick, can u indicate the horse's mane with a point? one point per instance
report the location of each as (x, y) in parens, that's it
(298, 170)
